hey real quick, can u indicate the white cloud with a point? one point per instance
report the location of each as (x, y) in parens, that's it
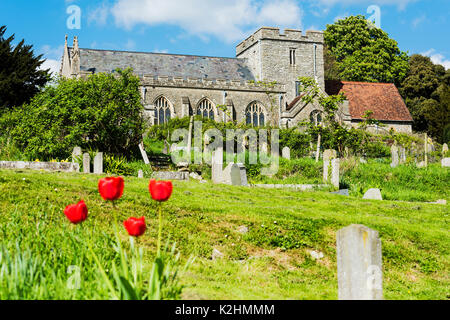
(401, 4)
(99, 15)
(228, 20)
(418, 21)
(437, 58)
(53, 65)
(161, 51)
(130, 45)
(341, 16)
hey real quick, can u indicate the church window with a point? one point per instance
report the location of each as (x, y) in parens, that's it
(162, 111)
(316, 117)
(205, 109)
(254, 115)
(292, 57)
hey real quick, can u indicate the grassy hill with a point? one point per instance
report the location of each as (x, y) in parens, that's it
(270, 261)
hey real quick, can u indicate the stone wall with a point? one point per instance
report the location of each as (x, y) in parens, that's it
(184, 93)
(399, 127)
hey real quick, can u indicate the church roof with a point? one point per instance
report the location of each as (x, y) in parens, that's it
(383, 99)
(162, 64)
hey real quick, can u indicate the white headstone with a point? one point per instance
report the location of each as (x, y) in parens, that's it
(140, 174)
(445, 162)
(444, 149)
(86, 163)
(217, 165)
(232, 175)
(359, 264)
(286, 153)
(402, 155)
(327, 156)
(76, 153)
(373, 194)
(98, 163)
(394, 155)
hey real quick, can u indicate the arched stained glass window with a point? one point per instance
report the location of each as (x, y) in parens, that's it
(162, 111)
(205, 109)
(254, 115)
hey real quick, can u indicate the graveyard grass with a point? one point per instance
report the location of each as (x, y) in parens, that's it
(271, 261)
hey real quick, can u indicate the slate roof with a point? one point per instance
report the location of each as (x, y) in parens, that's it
(162, 64)
(383, 99)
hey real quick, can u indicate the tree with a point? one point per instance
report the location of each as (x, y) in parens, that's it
(426, 90)
(20, 76)
(363, 52)
(102, 112)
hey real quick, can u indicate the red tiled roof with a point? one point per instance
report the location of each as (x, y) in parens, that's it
(383, 99)
(294, 102)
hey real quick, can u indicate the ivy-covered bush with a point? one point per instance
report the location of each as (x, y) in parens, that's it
(102, 112)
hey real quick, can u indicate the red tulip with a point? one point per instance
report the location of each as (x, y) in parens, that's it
(76, 213)
(160, 190)
(135, 226)
(111, 188)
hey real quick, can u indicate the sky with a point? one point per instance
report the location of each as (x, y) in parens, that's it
(212, 27)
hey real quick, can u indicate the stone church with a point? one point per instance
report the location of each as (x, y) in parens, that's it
(226, 89)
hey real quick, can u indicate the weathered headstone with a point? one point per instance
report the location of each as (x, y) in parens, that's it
(335, 172)
(343, 192)
(243, 173)
(373, 194)
(286, 153)
(362, 160)
(444, 149)
(359, 263)
(394, 155)
(98, 163)
(217, 165)
(140, 174)
(143, 153)
(232, 175)
(86, 163)
(76, 153)
(327, 156)
(445, 162)
(402, 155)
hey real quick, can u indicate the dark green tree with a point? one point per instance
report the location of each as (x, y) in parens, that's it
(20, 76)
(363, 52)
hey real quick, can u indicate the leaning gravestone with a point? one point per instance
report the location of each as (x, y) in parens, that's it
(76, 154)
(394, 155)
(86, 163)
(98, 163)
(373, 194)
(286, 153)
(143, 153)
(359, 263)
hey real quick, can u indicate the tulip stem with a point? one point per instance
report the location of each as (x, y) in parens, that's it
(159, 230)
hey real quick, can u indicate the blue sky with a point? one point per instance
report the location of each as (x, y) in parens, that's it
(213, 27)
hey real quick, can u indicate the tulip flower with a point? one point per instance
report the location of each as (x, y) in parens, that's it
(76, 213)
(160, 190)
(135, 226)
(111, 188)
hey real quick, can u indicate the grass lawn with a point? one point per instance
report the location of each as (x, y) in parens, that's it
(271, 261)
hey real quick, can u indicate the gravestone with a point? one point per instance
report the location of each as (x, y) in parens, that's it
(327, 156)
(217, 165)
(286, 153)
(143, 153)
(394, 155)
(359, 263)
(445, 162)
(140, 174)
(232, 175)
(373, 194)
(243, 173)
(98, 163)
(335, 172)
(343, 192)
(402, 155)
(86, 163)
(444, 149)
(76, 153)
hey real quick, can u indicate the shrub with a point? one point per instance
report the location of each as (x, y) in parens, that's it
(102, 112)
